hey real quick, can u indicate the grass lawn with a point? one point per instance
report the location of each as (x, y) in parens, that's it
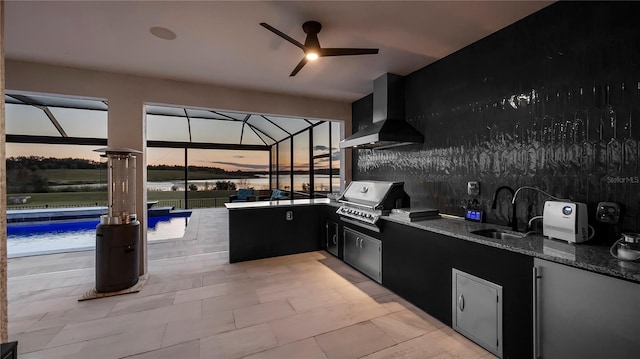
(59, 199)
(83, 176)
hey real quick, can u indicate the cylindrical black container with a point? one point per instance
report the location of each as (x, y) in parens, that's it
(117, 247)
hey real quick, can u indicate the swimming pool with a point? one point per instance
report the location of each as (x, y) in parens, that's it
(59, 236)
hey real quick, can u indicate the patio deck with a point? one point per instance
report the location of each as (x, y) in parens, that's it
(197, 305)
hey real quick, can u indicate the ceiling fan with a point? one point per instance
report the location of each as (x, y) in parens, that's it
(311, 47)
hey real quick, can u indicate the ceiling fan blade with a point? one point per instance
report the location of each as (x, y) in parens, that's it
(282, 34)
(347, 52)
(299, 67)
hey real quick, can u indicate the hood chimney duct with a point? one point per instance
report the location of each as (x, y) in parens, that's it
(389, 128)
(388, 98)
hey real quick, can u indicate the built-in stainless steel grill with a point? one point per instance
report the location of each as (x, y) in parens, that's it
(363, 202)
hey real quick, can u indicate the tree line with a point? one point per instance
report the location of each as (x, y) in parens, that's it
(24, 176)
(35, 163)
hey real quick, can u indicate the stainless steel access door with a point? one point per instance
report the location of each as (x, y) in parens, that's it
(332, 237)
(364, 253)
(477, 310)
(584, 315)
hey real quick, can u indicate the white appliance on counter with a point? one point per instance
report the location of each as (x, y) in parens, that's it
(566, 221)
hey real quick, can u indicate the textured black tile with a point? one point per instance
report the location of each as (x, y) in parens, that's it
(552, 101)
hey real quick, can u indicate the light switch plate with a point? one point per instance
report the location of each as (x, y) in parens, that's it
(473, 188)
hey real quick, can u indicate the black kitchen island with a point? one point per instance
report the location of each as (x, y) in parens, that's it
(267, 229)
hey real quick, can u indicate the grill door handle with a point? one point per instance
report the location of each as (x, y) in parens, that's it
(461, 303)
(335, 239)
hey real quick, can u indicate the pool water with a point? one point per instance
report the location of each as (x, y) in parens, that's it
(51, 237)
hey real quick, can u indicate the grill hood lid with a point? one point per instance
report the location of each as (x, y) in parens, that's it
(389, 129)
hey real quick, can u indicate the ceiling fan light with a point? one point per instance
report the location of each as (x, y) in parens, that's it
(312, 56)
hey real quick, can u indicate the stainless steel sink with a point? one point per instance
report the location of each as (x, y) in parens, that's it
(496, 233)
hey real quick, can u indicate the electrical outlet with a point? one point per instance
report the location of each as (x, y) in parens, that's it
(473, 188)
(608, 212)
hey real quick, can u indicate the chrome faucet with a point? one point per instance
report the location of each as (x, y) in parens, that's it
(513, 222)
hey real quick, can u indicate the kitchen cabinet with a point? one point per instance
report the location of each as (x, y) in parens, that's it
(477, 310)
(331, 237)
(417, 265)
(363, 253)
(332, 232)
(256, 233)
(581, 314)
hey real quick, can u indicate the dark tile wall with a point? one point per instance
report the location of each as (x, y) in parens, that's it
(552, 101)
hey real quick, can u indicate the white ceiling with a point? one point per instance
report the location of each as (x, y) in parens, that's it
(221, 42)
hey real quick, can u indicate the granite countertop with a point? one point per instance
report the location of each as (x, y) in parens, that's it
(279, 203)
(592, 257)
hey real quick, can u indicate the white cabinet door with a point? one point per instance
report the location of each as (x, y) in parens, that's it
(477, 310)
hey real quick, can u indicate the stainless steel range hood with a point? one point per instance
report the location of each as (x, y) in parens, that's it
(389, 129)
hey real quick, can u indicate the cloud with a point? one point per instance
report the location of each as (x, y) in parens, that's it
(335, 156)
(238, 156)
(244, 166)
(323, 148)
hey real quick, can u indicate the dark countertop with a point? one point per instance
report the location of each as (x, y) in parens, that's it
(279, 203)
(592, 257)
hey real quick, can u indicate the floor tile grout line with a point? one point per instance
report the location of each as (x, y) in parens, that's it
(164, 333)
(85, 341)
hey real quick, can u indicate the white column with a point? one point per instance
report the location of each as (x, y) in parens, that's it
(4, 332)
(127, 129)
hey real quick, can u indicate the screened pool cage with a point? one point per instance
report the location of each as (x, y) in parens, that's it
(195, 157)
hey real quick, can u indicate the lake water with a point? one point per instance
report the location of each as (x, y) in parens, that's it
(261, 182)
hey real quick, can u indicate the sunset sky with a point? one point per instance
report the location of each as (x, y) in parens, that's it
(29, 120)
(227, 160)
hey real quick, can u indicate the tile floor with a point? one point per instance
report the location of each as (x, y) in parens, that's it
(197, 305)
